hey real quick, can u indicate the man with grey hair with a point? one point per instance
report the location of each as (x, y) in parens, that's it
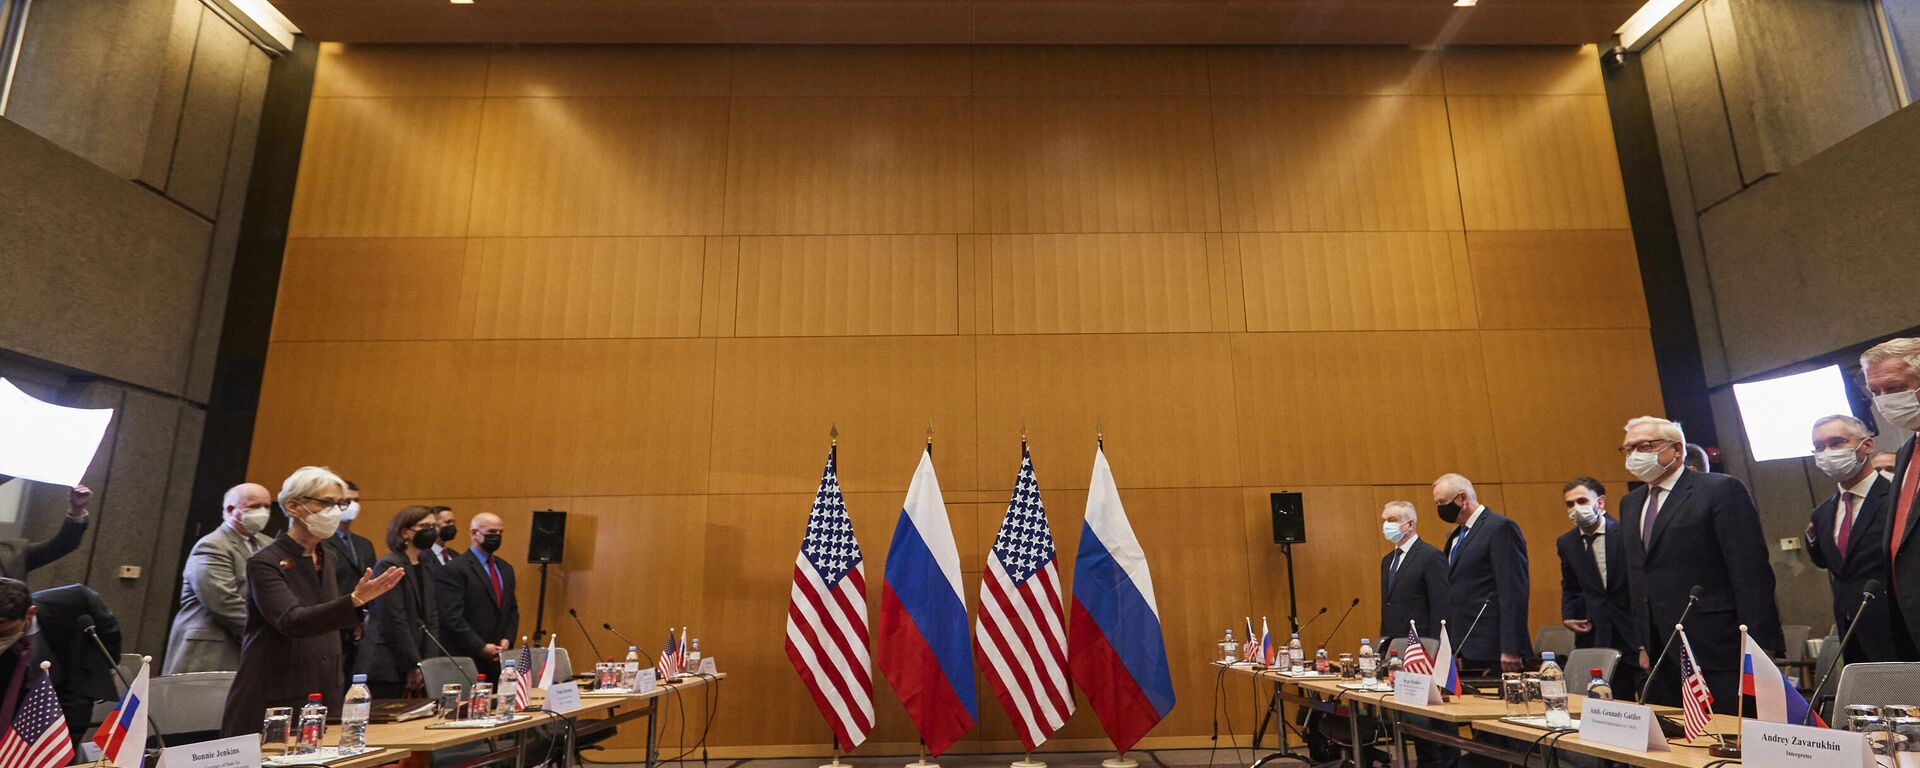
(1486, 569)
(1413, 577)
(206, 633)
(1847, 535)
(1685, 531)
(1892, 370)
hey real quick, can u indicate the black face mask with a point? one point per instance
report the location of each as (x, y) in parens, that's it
(1449, 512)
(448, 531)
(425, 538)
(490, 542)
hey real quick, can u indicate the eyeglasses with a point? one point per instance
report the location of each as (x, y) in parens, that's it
(324, 503)
(1645, 445)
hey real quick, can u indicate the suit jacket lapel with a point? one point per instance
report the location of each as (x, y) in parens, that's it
(1863, 515)
(1616, 545)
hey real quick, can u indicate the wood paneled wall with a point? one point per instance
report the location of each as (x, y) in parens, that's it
(639, 284)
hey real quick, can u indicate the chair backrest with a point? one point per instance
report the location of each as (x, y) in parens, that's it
(562, 665)
(1581, 663)
(129, 669)
(189, 703)
(1796, 636)
(1559, 640)
(1399, 645)
(1892, 682)
(441, 671)
(1827, 656)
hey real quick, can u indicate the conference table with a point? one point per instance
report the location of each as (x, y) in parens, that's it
(1441, 723)
(415, 743)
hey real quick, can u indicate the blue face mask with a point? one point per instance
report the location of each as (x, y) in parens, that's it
(1391, 531)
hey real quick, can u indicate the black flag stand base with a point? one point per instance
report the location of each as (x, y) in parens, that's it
(922, 762)
(1027, 761)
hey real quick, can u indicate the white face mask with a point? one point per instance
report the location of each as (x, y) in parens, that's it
(1839, 463)
(352, 511)
(1391, 531)
(1583, 515)
(254, 519)
(324, 523)
(1902, 408)
(1888, 474)
(1646, 465)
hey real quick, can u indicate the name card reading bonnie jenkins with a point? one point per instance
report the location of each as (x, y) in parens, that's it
(1777, 745)
(1621, 724)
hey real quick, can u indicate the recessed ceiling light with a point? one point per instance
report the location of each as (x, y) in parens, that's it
(1456, 3)
(462, 2)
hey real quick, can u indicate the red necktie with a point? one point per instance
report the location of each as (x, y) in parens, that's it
(494, 575)
(1846, 524)
(1652, 511)
(1904, 508)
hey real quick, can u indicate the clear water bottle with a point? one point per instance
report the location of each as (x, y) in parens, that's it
(1296, 655)
(509, 680)
(353, 716)
(1369, 663)
(480, 700)
(1553, 692)
(693, 657)
(630, 671)
(1597, 686)
(1321, 665)
(608, 674)
(313, 726)
(1393, 665)
(1229, 650)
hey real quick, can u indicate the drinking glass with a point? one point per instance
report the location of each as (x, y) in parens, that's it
(451, 701)
(276, 732)
(1513, 689)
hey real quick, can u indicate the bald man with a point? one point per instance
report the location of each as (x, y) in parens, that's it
(479, 616)
(1486, 569)
(213, 589)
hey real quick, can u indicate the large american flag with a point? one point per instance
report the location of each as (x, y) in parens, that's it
(1414, 659)
(37, 737)
(1020, 636)
(827, 619)
(1697, 700)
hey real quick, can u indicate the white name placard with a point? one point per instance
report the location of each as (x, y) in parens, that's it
(1777, 745)
(1412, 688)
(647, 680)
(562, 697)
(1621, 724)
(707, 667)
(237, 752)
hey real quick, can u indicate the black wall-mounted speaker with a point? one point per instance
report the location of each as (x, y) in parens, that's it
(1289, 518)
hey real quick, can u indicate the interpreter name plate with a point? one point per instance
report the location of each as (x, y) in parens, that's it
(646, 681)
(708, 667)
(1412, 688)
(563, 697)
(237, 752)
(1778, 745)
(1621, 724)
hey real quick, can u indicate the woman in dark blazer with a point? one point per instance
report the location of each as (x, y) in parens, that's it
(395, 641)
(295, 610)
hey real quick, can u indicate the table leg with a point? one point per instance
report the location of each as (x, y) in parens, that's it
(653, 731)
(1356, 749)
(1399, 743)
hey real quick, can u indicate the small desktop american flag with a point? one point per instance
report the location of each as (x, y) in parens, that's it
(37, 737)
(1415, 659)
(670, 659)
(1693, 691)
(523, 686)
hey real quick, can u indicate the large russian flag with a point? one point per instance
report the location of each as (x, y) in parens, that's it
(925, 649)
(1115, 649)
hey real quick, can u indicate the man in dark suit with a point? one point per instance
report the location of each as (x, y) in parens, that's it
(1847, 535)
(1595, 601)
(1413, 577)
(1486, 566)
(443, 551)
(1892, 370)
(479, 616)
(1686, 529)
(82, 673)
(352, 554)
(18, 557)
